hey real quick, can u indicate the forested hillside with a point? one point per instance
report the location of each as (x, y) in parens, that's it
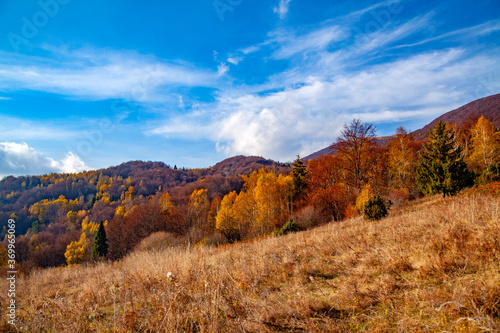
(57, 215)
(50, 209)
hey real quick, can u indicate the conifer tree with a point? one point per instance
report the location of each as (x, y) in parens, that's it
(100, 243)
(442, 168)
(299, 177)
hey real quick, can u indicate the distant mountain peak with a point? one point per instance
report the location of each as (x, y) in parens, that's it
(489, 107)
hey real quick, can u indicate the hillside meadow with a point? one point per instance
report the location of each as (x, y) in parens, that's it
(430, 266)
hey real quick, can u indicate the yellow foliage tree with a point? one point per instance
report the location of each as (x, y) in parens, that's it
(245, 210)
(198, 207)
(4, 256)
(120, 211)
(226, 220)
(129, 192)
(485, 145)
(402, 160)
(365, 195)
(72, 216)
(286, 191)
(89, 227)
(165, 201)
(267, 199)
(76, 252)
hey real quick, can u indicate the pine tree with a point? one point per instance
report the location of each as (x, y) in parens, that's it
(442, 168)
(299, 177)
(100, 243)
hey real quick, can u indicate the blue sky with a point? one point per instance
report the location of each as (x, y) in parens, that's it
(90, 84)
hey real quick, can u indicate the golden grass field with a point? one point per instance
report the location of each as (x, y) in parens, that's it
(431, 266)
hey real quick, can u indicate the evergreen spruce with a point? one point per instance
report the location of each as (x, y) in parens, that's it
(375, 209)
(442, 168)
(92, 202)
(100, 243)
(299, 177)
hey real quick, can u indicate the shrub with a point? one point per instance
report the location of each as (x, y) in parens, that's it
(375, 209)
(490, 175)
(213, 240)
(306, 218)
(290, 226)
(158, 241)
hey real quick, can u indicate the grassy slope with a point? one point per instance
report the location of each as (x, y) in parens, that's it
(431, 266)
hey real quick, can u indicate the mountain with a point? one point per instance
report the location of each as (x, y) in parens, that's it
(489, 107)
(19, 194)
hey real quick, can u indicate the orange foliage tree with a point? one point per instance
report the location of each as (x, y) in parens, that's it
(402, 163)
(326, 190)
(357, 151)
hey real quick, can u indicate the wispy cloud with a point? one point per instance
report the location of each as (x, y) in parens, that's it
(234, 60)
(21, 159)
(470, 32)
(13, 128)
(279, 125)
(290, 44)
(356, 15)
(100, 74)
(282, 8)
(311, 80)
(222, 69)
(387, 35)
(334, 75)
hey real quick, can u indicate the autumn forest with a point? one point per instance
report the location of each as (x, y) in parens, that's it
(144, 204)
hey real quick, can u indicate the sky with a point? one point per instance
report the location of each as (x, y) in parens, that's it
(91, 84)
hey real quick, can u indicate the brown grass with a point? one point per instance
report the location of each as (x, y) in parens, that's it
(429, 267)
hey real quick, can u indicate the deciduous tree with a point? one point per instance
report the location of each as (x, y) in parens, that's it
(402, 161)
(198, 208)
(485, 146)
(226, 220)
(356, 148)
(326, 191)
(76, 252)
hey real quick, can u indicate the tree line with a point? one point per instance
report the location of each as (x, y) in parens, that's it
(216, 209)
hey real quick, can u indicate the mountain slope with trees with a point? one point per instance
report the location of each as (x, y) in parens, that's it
(464, 116)
(60, 217)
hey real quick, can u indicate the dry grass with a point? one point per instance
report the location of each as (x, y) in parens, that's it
(432, 266)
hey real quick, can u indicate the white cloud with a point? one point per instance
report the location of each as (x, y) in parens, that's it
(336, 73)
(282, 8)
(234, 60)
(356, 15)
(291, 44)
(470, 32)
(222, 69)
(21, 159)
(70, 164)
(99, 74)
(376, 40)
(300, 120)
